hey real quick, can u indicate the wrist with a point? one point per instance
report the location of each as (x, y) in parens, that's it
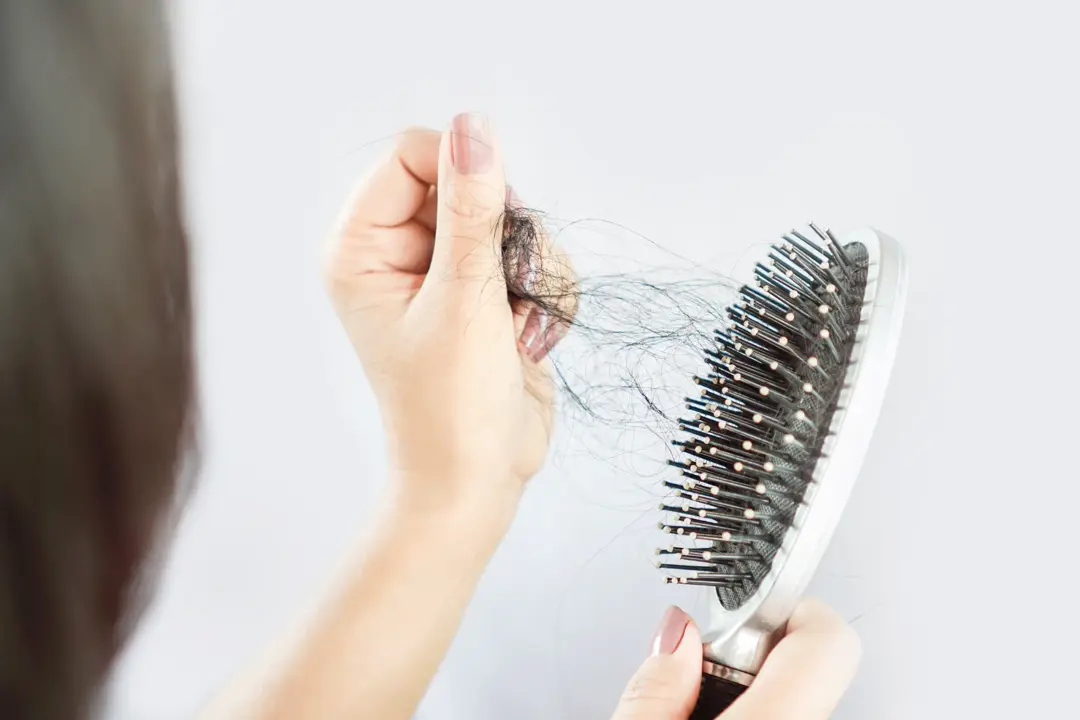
(470, 500)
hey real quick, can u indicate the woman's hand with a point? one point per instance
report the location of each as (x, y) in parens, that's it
(416, 276)
(803, 678)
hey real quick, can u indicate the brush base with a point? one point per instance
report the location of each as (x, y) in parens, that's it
(720, 687)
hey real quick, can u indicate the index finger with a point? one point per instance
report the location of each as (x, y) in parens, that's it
(396, 188)
(807, 673)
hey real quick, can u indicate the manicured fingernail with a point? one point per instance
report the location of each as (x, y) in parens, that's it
(471, 146)
(670, 632)
(541, 334)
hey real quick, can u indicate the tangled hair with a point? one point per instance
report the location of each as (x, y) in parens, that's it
(632, 331)
(96, 379)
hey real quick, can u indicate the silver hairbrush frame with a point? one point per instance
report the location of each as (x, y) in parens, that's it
(738, 641)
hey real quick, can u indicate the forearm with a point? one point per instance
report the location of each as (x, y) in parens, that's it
(374, 646)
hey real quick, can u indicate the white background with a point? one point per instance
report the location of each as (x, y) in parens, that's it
(706, 127)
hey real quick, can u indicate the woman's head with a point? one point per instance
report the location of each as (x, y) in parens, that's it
(96, 378)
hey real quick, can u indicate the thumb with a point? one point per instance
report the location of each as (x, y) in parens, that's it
(472, 201)
(667, 684)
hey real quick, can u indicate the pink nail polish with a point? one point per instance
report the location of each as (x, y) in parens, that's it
(540, 334)
(471, 146)
(670, 632)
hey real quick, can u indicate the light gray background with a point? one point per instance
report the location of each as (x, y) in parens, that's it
(707, 127)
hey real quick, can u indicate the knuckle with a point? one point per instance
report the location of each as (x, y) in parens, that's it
(847, 643)
(647, 689)
(410, 133)
(837, 644)
(474, 202)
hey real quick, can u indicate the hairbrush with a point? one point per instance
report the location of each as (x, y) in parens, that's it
(772, 447)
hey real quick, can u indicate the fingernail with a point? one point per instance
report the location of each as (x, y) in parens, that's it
(541, 334)
(471, 146)
(670, 632)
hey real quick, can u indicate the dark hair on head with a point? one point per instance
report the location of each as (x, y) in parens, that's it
(96, 377)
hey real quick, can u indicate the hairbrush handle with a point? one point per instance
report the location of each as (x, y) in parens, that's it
(720, 687)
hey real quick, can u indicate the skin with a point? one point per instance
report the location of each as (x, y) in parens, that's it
(415, 275)
(803, 678)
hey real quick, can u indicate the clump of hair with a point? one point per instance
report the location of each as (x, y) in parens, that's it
(632, 331)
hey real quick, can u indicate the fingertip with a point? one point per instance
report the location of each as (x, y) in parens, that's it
(471, 178)
(835, 635)
(473, 145)
(809, 671)
(812, 613)
(846, 648)
(419, 130)
(666, 684)
(690, 647)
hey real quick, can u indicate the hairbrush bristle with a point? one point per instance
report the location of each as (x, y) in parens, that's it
(754, 435)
